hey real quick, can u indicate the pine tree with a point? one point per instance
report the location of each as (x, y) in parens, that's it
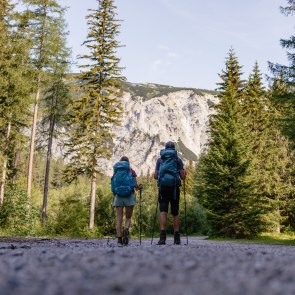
(287, 73)
(283, 158)
(14, 86)
(55, 102)
(229, 203)
(255, 106)
(98, 108)
(189, 181)
(44, 20)
(269, 154)
(283, 97)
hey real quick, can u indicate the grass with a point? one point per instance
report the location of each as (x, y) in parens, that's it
(284, 239)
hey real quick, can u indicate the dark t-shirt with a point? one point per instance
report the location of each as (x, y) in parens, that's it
(133, 173)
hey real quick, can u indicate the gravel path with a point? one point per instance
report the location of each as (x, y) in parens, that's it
(60, 266)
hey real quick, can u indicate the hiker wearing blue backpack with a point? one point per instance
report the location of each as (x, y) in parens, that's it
(124, 184)
(169, 172)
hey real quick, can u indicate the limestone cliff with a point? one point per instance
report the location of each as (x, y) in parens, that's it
(154, 114)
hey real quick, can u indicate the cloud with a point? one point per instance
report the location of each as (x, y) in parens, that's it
(172, 54)
(180, 12)
(164, 47)
(165, 59)
(168, 52)
(156, 65)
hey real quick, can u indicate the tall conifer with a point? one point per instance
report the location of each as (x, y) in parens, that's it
(287, 73)
(230, 207)
(270, 160)
(56, 102)
(44, 19)
(283, 96)
(14, 86)
(98, 108)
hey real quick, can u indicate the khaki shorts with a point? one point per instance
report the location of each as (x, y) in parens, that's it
(124, 202)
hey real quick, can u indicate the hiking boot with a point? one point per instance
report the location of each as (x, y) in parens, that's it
(120, 242)
(125, 237)
(162, 240)
(177, 238)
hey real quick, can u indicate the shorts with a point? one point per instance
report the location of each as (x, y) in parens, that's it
(169, 195)
(124, 202)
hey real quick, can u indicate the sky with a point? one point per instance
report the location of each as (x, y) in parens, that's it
(185, 43)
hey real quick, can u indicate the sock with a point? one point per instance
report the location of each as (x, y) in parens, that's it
(163, 233)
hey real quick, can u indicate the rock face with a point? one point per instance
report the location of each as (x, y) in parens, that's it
(154, 114)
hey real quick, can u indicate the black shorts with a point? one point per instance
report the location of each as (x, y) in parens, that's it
(169, 195)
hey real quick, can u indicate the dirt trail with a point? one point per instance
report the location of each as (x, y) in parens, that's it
(60, 266)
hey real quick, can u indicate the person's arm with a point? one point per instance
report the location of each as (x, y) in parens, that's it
(182, 174)
(136, 184)
(157, 169)
(134, 175)
(182, 171)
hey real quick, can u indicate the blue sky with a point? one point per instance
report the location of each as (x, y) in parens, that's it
(184, 43)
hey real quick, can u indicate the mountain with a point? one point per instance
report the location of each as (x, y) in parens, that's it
(155, 114)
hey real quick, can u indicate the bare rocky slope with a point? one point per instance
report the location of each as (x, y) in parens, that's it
(154, 114)
(77, 267)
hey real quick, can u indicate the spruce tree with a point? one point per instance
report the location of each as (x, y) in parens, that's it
(229, 203)
(287, 73)
(283, 97)
(269, 154)
(283, 160)
(44, 20)
(55, 106)
(189, 181)
(98, 108)
(15, 73)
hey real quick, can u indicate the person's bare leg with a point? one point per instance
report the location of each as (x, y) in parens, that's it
(128, 215)
(163, 220)
(119, 221)
(176, 223)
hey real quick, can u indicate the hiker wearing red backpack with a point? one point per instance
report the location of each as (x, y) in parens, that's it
(169, 172)
(124, 184)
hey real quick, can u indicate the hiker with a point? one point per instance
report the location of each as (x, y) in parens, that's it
(169, 173)
(124, 184)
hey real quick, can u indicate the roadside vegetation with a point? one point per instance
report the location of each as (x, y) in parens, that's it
(242, 187)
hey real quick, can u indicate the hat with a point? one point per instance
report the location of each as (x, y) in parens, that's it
(169, 145)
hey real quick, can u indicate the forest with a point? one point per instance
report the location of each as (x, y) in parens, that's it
(241, 187)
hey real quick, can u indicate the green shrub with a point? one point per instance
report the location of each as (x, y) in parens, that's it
(16, 218)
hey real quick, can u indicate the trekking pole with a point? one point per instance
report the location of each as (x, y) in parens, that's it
(110, 227)
(140, 215)
(154, 222)
(185, 219)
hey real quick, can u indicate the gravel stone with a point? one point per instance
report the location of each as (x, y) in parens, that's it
(62, 266)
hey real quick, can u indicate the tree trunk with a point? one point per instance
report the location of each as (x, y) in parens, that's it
(32, 144)
(36, 105)
(278, 227)
(15, 165)
(4, 166)
(92, 201)
(47, 171)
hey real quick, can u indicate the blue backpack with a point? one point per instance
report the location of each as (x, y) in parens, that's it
(122, 182)
(168, 175)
